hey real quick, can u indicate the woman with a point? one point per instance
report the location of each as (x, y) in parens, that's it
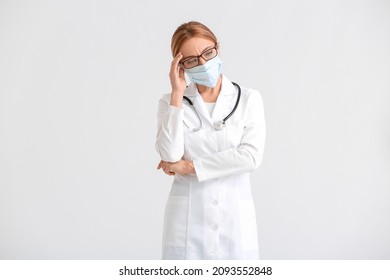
(210, 212)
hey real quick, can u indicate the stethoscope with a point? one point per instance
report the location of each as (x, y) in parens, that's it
(219, 125)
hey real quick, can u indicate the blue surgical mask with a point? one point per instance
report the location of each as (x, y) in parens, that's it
(206, 74)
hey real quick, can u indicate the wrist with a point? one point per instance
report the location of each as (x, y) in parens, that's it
(190, 167)
(176, 99)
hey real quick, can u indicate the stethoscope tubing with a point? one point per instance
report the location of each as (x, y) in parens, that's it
(237, 102)
(221, 124)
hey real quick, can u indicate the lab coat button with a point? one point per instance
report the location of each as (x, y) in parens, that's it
(215, 202)
(214, 227)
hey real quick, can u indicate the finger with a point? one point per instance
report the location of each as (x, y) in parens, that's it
(165, 168)
(176, 60)
(178, 57)
(160, 164)
(181, 73)
(164, 165)
(170, 173)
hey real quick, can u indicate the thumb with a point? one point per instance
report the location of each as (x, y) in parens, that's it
(181, 73)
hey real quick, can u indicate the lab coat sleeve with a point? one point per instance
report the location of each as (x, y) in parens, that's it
(249, 153)
(170, 138)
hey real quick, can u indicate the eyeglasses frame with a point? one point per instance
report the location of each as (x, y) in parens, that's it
(181, 63)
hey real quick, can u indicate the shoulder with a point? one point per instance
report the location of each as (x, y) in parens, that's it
(164, 100)
(251, 95)
(252, 103)
(165, 97)
(247, 93)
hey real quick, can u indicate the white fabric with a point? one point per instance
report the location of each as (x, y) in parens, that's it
(211, 215)
(210, 107)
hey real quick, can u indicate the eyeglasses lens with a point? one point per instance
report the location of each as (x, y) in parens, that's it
(194, 61)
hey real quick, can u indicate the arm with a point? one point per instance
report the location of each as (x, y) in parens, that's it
(170, 138)
(249, 153)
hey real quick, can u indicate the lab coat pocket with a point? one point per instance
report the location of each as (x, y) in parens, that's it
(234, 131)
(175, 221)
(248, 225)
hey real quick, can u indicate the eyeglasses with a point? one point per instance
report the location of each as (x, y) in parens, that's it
(193, 61)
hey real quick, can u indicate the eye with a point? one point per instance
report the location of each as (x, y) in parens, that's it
(209, 53)
(191, 62)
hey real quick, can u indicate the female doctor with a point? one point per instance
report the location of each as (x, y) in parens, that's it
(210, 135)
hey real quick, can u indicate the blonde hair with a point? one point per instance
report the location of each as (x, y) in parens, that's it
(189, 30)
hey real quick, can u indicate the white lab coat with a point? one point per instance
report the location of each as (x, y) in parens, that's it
(211, 215)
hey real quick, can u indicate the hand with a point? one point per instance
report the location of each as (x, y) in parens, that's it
(181, 167)
(166, 168)
(178, 81)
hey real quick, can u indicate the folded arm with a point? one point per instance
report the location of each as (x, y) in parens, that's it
(249, 153)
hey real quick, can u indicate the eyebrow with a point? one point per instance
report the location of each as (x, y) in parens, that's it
(207, 48)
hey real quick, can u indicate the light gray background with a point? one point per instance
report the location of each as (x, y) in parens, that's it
(79, 85)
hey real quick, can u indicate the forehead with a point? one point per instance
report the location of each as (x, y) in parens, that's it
(195, 46)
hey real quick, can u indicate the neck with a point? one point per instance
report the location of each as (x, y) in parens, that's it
(208, 92)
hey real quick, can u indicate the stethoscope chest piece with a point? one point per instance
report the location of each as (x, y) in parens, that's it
(219, 125)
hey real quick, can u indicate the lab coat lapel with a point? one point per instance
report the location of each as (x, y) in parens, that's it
(192, 92)
(202, 110)
(223, 104)
(221, 108)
